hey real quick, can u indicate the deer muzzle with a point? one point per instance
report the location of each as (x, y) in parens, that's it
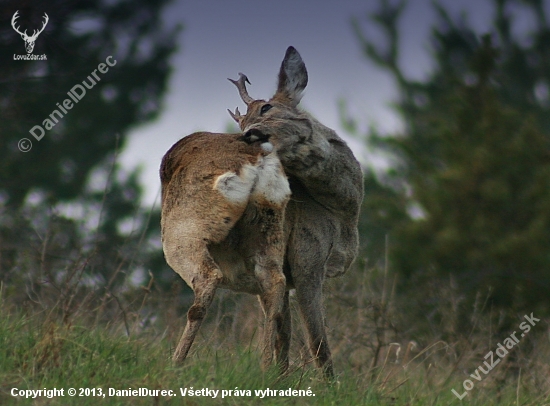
(254, 135)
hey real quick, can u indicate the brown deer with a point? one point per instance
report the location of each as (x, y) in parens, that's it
(227, 220)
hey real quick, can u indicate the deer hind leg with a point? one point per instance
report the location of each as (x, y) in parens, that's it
(309, 295)
(205, 278)
(207, 219)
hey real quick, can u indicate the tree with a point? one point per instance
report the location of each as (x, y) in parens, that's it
(117, 52)
(474, 157)
(77, 38)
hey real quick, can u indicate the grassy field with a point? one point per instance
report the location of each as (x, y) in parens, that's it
(41, 350)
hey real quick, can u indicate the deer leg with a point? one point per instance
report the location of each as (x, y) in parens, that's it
(204, 282)
(273, 285)
(269, 274)
(284, 329)
(270, 197)
(309, 295)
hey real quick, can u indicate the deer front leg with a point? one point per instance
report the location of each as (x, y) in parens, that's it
(309, 295)
(269, 273)
(272, 301)
(270, 197)
(284, 330)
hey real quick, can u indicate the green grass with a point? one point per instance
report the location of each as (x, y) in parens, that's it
(37, 353)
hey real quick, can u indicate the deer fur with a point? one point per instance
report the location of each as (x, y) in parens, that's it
(266, 211)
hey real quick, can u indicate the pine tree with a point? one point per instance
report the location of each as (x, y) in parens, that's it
(66, 206)
(474, 158)
(77, 38)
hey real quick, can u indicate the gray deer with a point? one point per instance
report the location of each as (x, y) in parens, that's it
(271, 209)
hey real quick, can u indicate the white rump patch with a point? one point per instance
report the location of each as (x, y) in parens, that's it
(237, 188)
(272, 183)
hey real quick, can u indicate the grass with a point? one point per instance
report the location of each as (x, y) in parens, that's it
(38, 351)
(82, 338)
(36, 355)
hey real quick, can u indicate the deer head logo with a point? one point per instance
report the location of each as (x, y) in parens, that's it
(29, 40)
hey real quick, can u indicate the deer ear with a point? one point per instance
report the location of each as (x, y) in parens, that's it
(292, 77)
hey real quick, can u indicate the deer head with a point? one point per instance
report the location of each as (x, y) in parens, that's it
(29, 40)
(292, 81)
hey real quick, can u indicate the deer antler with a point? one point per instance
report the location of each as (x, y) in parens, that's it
(241, 85)
(236, 115)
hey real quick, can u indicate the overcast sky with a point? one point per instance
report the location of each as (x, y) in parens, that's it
(221, 38)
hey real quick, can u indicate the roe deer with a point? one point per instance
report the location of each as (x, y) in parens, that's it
(227, 220)
(223, 203)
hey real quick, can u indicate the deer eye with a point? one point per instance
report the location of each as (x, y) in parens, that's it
(265, 108)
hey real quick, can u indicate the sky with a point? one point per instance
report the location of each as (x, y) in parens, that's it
(221, 38)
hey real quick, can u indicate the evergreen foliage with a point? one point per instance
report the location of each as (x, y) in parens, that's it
(474, 161)
(67, 210)
(78, 37)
